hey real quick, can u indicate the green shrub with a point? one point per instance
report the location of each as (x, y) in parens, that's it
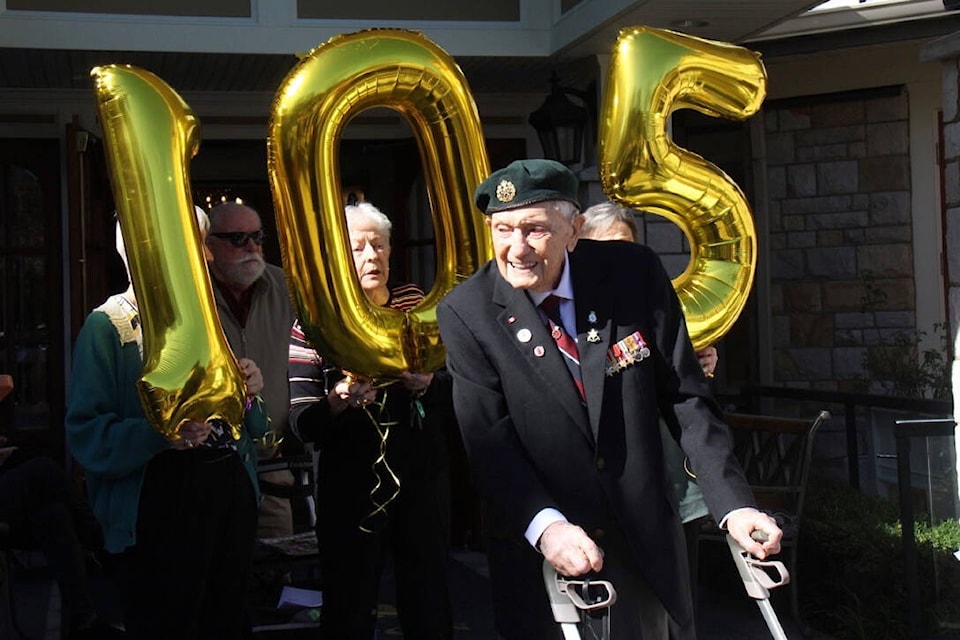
(851, 566)
(897, 365)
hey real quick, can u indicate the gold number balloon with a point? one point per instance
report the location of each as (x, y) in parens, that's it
(404, 71)
(189, 372)
(652, 73)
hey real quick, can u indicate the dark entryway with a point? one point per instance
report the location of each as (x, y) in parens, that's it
(31, 290)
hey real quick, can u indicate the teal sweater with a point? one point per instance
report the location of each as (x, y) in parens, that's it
(108, 434)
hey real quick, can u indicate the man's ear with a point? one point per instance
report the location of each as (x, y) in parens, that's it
(577, 223)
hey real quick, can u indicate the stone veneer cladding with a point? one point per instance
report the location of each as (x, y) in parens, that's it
(840, 231)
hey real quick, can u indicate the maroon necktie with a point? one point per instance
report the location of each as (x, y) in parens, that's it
(567, 345)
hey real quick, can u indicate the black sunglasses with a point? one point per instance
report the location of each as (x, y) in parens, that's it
(239, 238)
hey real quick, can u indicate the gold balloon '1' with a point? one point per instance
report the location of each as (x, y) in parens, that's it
(652, 73)
(150, 134)
(404, 71)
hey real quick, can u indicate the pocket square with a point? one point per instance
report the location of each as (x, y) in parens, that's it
(626, 352)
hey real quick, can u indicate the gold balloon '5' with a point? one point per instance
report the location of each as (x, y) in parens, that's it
(350, 73)
(652, 73)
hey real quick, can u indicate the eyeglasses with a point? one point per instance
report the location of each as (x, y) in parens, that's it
(239, 238)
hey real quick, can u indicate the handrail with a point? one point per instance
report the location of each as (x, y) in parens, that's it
(907, 429)
(920, 405)
(850, 402)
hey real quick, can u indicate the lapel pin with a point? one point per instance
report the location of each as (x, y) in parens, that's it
(538, 351)
(511, 319)
(592, 317)
(593, 336)
(524, 335)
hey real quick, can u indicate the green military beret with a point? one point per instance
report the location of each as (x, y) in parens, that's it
(525, 182)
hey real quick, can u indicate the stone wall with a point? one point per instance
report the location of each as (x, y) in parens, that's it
(840, 247)
(840, 234)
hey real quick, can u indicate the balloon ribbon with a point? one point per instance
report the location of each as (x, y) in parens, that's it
(380, 467)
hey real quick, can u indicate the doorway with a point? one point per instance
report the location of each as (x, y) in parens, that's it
(31, 290)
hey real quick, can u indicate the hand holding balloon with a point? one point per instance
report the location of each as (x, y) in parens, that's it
(191, 434)
(416, 383)
(252, 376)
(351, 392)
(708, 360)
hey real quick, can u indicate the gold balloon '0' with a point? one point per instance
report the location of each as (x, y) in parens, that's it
(150, 134)
(652, 73)
(404, 71)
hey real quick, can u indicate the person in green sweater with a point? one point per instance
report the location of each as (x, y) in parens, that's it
(180, 513)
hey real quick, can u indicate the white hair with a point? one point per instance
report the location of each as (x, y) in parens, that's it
(221, 212)
(203, 221)
(371, 213)
(567, 209)
(600, 217)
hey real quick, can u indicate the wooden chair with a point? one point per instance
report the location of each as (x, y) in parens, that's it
(775, 454)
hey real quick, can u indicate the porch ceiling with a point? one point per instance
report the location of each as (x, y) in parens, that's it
(731, 21)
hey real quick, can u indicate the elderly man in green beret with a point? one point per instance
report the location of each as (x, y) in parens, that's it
(563, 355)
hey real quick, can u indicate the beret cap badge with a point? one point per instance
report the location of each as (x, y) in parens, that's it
(523, 183)
(506, 191)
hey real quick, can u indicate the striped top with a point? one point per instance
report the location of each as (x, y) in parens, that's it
(312, 377)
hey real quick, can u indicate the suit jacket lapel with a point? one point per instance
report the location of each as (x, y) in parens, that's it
(594, 310)
(520, 316)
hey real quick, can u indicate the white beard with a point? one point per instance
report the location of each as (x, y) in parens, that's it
(242, 273)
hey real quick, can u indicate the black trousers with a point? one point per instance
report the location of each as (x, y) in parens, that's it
(188, 574)
(414, 528)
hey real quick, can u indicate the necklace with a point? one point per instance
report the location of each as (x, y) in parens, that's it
(132, 309)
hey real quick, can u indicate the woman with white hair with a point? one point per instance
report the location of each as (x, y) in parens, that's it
(179, 512)
(610, 221)
(375, 441)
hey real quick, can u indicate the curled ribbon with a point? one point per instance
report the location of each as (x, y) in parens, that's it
(380, 463)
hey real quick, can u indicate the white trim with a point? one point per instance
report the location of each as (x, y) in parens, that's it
(830, 17)
(273, 28)
(925, 102)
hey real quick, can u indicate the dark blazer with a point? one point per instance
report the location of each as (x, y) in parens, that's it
(531, 442)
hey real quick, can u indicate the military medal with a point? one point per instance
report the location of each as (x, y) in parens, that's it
(593, 336)
(626, 352)
(524, 335)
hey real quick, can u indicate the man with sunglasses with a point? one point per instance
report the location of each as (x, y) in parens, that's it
(255, 311)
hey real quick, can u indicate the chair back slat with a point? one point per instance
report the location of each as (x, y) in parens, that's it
(775, 453)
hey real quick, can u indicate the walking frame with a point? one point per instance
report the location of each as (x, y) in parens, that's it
(572, 602)
(584, 605)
